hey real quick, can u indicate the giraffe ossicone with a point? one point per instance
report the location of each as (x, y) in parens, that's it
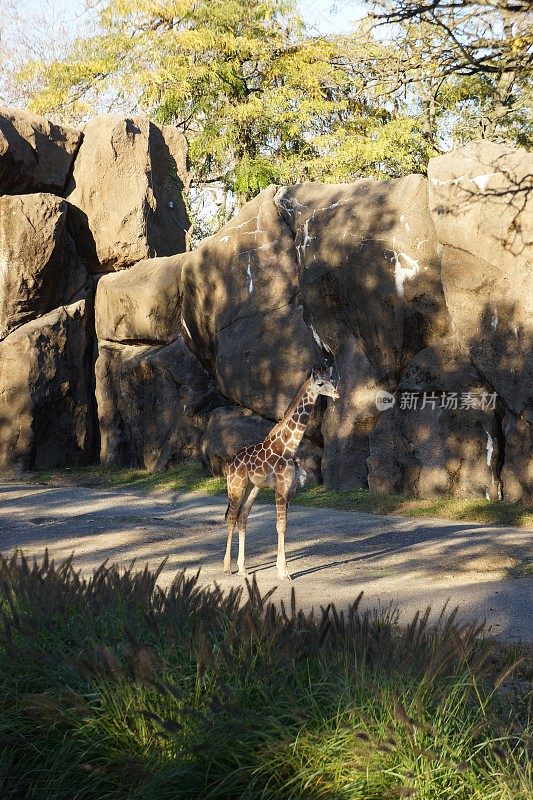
(273, 463)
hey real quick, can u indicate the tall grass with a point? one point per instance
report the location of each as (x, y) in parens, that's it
(112, 687)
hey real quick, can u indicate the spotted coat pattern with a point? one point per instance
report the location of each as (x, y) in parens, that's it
(272, 463)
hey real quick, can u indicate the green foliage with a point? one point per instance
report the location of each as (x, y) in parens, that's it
(113, 688)
(262, 100)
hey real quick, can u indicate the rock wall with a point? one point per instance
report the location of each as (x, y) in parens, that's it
(74, 205)
(418, 287)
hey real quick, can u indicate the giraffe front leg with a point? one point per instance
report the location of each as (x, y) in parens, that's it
(281, 526)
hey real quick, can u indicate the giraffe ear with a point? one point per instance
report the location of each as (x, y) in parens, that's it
(313, 374)
(330, 372)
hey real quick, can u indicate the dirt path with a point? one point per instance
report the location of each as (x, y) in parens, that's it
(333, 555)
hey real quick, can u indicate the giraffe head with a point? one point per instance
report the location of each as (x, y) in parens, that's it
(322, 384)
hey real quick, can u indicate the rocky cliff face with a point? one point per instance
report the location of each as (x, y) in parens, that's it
(419, 288)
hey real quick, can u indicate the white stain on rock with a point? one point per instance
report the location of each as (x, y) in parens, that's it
(4, 270)
(403, 271)
(319, 341)
(405, 223)
(494, 320)
(490, 448)
(250, 278)
(482, 181)
(305, 240)
(184, 325)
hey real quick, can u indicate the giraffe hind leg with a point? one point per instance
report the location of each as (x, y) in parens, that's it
(281, 526)
(236, 489)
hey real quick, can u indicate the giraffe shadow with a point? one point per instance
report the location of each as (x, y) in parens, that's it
(320, 567)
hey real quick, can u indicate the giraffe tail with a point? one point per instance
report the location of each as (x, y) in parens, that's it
(227, 511)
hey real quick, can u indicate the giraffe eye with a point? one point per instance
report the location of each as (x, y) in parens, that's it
(320, 383)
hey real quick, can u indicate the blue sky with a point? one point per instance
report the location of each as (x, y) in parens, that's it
(326, 16)
(331, 17)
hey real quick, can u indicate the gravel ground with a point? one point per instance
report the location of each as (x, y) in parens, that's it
(332, 555)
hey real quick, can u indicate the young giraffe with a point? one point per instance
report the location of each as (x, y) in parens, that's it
(272, 463)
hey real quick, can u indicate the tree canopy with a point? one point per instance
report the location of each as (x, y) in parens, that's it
(262, 99)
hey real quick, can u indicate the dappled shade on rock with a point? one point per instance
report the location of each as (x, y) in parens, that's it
(428, 449)
(241, 314)
(153, 404)
(141, 304)
(369, 272)
(480, 198)
(517, 470)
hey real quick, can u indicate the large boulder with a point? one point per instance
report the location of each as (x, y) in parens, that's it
(478, 199)
(153, 404)
(443, 435)
(141, 304)
(517, 471)
(35, 154)
(241, 313)
(369, 274)
(231, 428)
(40, 268)
(481, 204)
(127, 181)
(46, 406)
(368, 252)
(492, 311)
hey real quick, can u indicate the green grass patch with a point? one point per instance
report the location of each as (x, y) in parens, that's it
(189, 476)
(112, 688)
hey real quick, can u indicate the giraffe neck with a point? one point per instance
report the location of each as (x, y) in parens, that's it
(290, 430)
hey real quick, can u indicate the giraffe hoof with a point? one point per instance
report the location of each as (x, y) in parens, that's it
(243, 573)
(284, 576)
(227, 570)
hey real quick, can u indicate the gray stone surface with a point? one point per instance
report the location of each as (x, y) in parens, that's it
(492, 312)
(517, 470)
(242, 318)
(369, 273)
(479, 199)
(432, 449)
(481, 203)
